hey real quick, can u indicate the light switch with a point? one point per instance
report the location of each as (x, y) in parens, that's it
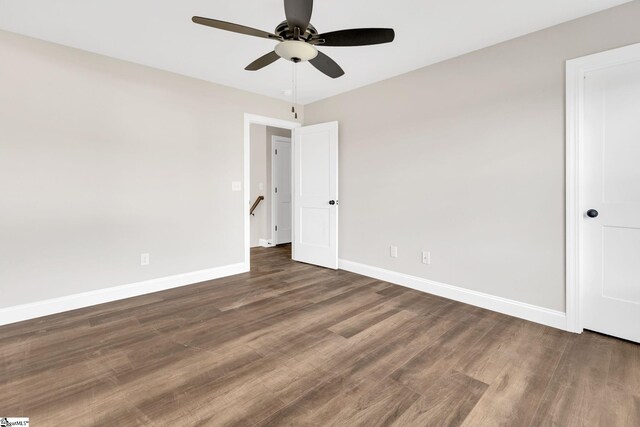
(260, 186)
(236, 186)
(393, 251)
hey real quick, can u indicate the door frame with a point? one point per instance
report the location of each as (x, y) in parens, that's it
(275, 138)
(576, 69)
(250, 119)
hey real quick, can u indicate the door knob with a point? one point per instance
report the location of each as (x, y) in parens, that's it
(592, 213)
(332, 202)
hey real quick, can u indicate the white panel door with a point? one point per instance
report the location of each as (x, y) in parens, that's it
(281, 183)
(611, 197)
(315, 154)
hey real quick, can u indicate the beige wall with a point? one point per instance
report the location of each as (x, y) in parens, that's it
(465, 159)
(102, 160)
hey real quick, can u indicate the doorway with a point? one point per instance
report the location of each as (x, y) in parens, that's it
(270, 186)
(308, 191)
(603, 190)
(251, 120)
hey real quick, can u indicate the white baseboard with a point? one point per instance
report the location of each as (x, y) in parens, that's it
(32, 310)
(545, 316)
(265, 243)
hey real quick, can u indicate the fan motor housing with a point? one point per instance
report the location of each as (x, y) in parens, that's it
(286, 33)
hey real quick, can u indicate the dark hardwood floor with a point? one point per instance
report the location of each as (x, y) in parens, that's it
(294, 344)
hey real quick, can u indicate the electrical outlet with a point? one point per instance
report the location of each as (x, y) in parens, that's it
(393, 252)
(144, 259)
(426, 257)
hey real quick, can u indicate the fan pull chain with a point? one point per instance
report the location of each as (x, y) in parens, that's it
(294, 89)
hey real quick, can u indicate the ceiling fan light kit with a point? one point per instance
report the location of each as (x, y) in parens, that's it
(296, 51)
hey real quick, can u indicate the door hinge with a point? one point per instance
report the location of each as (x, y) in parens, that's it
(276, 189)
(276, 228)
(276, 151)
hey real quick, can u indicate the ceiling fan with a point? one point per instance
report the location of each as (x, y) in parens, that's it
(298, 38)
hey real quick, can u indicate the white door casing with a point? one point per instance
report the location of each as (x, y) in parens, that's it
(281, 207)
(315, 218)
(603, 175)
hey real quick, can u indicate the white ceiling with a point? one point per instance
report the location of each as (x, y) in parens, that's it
(160, 34)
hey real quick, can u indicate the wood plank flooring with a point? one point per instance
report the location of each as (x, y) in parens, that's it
(294, 344)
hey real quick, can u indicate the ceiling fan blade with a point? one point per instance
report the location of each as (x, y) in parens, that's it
(327, 65)
(358, 37)
(263, 61)
(234, 28)
(298, 13)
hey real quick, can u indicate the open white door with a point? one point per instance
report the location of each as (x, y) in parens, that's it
(315, 202)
